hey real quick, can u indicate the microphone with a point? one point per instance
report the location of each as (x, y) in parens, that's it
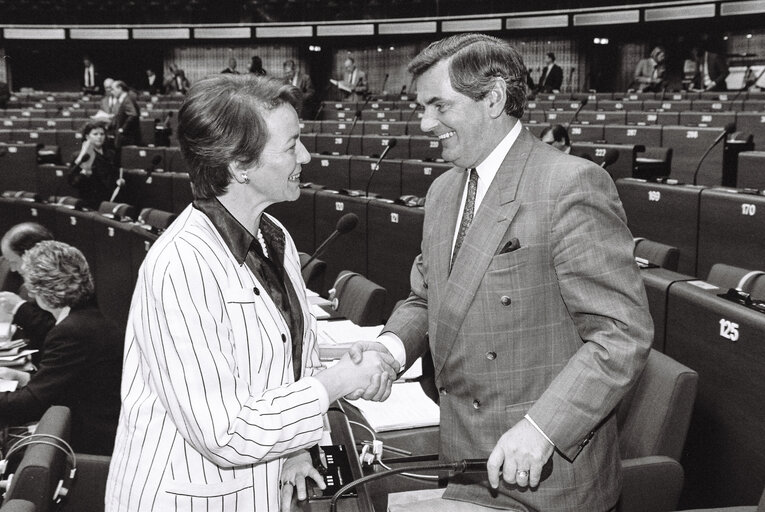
(610, 157)
(729, 128)
(318, 111)
(356, 117)
(582, 103)
(456, 468)
(385, 82)
(345, 224)
(403, 90)
(409, 118)
(391, 145)
(153, 167)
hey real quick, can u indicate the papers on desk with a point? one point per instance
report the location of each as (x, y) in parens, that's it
(6, 332)
(406, 407)
(319, 313)
(345, 331)
(8, 385)
(15, 359)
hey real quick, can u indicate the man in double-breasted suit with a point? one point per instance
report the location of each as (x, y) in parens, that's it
(526, 293)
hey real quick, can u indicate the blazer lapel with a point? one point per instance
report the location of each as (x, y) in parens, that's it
(491, 222)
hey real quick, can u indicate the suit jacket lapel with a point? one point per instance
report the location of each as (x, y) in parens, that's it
(490, 223)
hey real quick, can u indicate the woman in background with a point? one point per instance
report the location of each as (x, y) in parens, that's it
(94, 171)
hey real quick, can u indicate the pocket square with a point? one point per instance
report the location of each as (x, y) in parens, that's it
(512, 245)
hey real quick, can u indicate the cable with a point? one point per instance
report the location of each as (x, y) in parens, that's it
(374, 436)
(410, 475)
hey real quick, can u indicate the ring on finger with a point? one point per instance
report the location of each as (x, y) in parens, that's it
(522, 474)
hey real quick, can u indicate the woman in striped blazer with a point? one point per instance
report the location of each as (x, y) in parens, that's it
(222, 389)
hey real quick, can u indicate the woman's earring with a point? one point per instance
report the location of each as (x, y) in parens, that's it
(245, 178)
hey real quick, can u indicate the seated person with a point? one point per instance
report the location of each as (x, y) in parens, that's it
(557, 136)
(81, 364)
(94, 175)
(15, 304)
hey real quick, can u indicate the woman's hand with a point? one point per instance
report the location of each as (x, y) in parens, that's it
(295, 470)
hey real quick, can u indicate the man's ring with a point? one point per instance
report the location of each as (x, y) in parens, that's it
(522, 474)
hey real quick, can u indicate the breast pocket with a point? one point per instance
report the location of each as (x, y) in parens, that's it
(239, 296)
(210, 490)
(509, 260)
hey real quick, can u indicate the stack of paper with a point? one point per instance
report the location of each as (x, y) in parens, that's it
(406, 407)
(345, 331)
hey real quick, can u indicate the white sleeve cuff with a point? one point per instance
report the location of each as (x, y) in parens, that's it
(395, 346)
(534, 424)
(320, 391)
(17, 306)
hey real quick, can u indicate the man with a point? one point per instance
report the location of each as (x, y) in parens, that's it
(126, 119)
(650, 73)
(231, 69)
(552, 75)
(711, 70)
(109, 102)
(300, 80)
(177, 83)
(354, 84)
(89, 79)
(152, 83)
(526, 293)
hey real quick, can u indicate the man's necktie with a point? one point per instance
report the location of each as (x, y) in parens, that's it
(467, 213)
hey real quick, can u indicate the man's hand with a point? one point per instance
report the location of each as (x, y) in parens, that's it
(379, 389)
(520, 453)
(295, 470)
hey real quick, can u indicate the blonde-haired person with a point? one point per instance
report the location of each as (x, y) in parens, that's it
(82, 354)
(650, 72)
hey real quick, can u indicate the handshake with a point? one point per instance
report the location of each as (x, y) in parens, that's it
(366, 371)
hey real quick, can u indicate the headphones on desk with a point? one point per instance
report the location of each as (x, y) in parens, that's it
(62, 489)
(333, 298)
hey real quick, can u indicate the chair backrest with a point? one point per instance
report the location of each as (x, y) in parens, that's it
(117, 211)
(313, 273)
(359, 299)
(653, 418)
(18, 506)
(159, 220)
(43, 466)
(662, 255)
(727, 276)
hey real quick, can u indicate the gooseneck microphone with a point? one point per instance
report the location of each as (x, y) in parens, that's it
(356, 117)
(463, 466)
(582, 103)
(345, 224)
(391, 145)
(729, 128)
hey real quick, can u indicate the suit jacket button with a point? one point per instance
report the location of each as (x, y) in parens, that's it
(476, 404)
(255, 290)
(505, 300)
(442, 390)
(491, 356)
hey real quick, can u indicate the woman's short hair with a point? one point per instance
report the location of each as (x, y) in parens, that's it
(92, 125)
(57, 273)
(477, 60)
(656, 51)
(22, 237)
(221, 122)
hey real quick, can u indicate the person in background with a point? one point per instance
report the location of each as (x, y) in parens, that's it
(222, 371)
(303, 82)
(711, 69)
(650, 73)
(16, 305)
(256, 66)
(90, 80)
(125, 123)
(526, 293)
(81, 359)
(152, 83)
(552, 75)
(177, 83)
(109, 102)
(557, 136)
(231, 69)
(354, 81)
(94, 169)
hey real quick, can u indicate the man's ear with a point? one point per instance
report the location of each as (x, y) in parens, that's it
(497, 97)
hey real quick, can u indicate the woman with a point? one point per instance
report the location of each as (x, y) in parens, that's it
(650, 72)
(256, 66)
(82, 353)
(94, 172)
(223, 388)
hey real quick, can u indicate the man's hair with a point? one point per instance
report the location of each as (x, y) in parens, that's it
(22, 237)
(289, 63)
(121, 85)
(221, 122)
(58, 273)
(559, 133)
(552, 56)
(475, 62)
(656, 51)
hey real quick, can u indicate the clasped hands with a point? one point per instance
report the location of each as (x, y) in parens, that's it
(379, 386)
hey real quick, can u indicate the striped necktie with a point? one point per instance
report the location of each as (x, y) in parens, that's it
(467, 213)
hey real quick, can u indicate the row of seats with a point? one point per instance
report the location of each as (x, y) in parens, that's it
(707, 225)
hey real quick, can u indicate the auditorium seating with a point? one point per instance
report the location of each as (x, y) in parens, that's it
(359, 299)
(751, 170)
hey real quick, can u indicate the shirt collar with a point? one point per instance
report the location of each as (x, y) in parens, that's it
(122, 97)
(489, 167)
(64, 313)
(234, 234)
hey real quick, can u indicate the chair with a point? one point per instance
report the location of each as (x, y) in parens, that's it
(655, 253)
(653, 421)
(157, 220)
(728, 276)
(116, 211)
(88, 491)
(358, 299)
(43, 467)
(313, 274)
(753, 508)
(18, 506)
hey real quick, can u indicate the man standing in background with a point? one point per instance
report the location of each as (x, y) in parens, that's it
(552, 75)
(303, 82)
